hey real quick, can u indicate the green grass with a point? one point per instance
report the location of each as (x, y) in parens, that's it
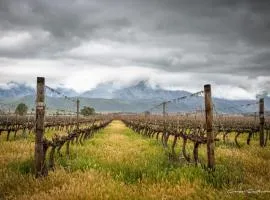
(120, 164)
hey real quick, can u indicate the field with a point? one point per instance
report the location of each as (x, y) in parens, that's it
(120, 164)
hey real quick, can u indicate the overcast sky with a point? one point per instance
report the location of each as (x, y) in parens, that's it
(178, 44)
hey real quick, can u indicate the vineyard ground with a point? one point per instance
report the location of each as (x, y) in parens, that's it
(120, 164)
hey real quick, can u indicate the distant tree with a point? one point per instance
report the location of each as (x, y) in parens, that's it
(147, 113)
(86, 111)
(21, 109)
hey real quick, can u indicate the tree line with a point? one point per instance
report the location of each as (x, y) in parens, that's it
(22, 109)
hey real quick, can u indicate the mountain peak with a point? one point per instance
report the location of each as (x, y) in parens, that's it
(142, 84)
(11, 84)
(14, 89)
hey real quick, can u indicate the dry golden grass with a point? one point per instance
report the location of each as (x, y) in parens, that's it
(95, 185)
(15, 151)
(119, 164)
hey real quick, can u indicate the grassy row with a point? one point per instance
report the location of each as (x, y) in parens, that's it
(119, 164)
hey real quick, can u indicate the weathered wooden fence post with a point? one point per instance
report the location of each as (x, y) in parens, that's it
(164, 135)
(40, 165)
(78, 110)
(209, 128)
(164, 109)
(261, 115)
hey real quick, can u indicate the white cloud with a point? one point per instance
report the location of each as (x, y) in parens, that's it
(91, 77)
(26, 70)
(193, 59)
(83, 43)
(111, 50)
(83, 76)
(12, 41)
(232, 92)
(15, 40)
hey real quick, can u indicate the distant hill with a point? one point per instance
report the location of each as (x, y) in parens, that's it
(144, 91)
(135, 98)
(66, 91)
(103, 90)
(13, 89)
(141, 90)
(101, 105)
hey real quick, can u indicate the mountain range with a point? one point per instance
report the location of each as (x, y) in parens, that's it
(108, 98)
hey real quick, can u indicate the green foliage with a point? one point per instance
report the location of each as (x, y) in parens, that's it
(24, 167)
(87, 111)
(21, 109)
(224, 176)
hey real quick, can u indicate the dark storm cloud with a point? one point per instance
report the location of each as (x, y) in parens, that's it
(212, 36)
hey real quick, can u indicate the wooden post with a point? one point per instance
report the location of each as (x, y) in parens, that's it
(16, 119)
(40, 166)
(209, 124)
(255, 117)
(261, 115)
(78, 108)
(164, 108)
